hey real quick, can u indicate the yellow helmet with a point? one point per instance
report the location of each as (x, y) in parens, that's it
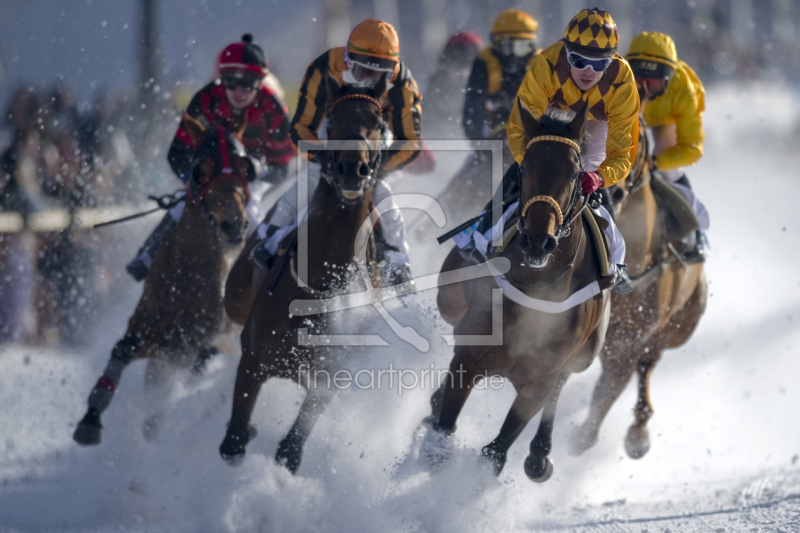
(514, 23)
(653, 46)
(592, 31)
(374, 43)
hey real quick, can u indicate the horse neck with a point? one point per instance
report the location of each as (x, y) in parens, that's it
(195, 241)
(332, 233)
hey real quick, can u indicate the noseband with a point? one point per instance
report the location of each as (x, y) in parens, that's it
(573, 212)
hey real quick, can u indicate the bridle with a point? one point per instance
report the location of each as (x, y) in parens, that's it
(375, 155)
(577, 203)
(199, 188)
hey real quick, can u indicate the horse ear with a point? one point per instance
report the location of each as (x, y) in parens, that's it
(576, 126)
(380, 89)
(529, 123)
(193, 127)
(334, 89)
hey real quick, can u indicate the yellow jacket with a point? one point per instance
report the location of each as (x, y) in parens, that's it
(613, 100)
(403, 113)
(682, 103)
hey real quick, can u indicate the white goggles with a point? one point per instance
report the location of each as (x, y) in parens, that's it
(361, 75)
(516, 47)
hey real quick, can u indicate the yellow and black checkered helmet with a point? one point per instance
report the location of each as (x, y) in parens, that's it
(592, 31)
(515, 24)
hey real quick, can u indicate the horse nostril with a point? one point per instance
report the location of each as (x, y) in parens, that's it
(549, 244)
(229, 228)
(363, 170)
(339, 169)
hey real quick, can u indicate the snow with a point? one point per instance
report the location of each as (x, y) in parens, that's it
(725, 441)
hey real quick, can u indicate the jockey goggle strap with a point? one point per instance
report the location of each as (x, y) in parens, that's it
(547, 199)
(555, 138)
(355, 97)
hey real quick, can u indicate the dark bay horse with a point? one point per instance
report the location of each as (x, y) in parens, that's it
(271, 344)
(662, 312)
(544, 338)
(181, 308)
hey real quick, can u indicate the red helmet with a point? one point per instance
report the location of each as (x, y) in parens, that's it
(243, 56)
(461, 48)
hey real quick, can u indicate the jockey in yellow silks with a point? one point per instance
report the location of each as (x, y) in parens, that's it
(583, 68)
(673, 111)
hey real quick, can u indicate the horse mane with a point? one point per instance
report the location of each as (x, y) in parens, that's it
(555, 121)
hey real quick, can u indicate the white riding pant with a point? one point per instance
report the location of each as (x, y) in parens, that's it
(285, 218)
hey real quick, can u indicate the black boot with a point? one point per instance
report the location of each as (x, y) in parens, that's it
(140, 265)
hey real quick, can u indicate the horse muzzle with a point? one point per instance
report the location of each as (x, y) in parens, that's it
(538, 249)
(232, 233)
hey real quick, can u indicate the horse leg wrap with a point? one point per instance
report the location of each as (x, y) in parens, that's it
(104, 389)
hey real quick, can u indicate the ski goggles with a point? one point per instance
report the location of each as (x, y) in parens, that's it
(248, 81)
(597, 64)
(516, 47)
(362, 75)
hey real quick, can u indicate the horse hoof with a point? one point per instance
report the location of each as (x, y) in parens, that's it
(232, 448)
(582, 441)
(540, 472)
(289, 456)
(88, 431)
(436, 448)
(637, 442)
(152, 427)
(495, 458)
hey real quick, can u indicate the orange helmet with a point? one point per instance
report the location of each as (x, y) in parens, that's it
(374, 44)
(592, 31)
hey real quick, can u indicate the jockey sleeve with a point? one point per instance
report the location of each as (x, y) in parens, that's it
(402, 110)
(613, 100)
(263, 127)
(490, 93)
(682, 103)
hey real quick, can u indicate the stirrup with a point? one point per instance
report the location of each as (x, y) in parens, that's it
(622, 283)
(260, 257)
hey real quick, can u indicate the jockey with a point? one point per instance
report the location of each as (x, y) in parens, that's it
(444, 95)
(581, 69)
(239, 101)
(372, 52)
(498, 72)
(673, 109)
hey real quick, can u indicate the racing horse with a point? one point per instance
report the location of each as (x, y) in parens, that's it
(271, 343)
(662, 312)
(554, 311)
(181, 308)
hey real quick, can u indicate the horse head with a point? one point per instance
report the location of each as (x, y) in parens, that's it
(221, 172)
(550, 191)
(356, 115)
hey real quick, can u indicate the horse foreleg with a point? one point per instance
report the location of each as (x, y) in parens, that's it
(617, 371)
(242, 284)
(637, 440)
(249, 378)
(538, 465)
(290, 449)
(452, 298)
(158, 379)
(88, 431)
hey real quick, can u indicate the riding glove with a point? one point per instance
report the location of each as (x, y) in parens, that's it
(590, 182)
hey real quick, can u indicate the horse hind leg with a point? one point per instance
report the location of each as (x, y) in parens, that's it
(290, 449)
(617, 371)
(158, 380)
(88, 431)
(637, 440)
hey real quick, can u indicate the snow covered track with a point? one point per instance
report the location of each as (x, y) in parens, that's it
(725, 439)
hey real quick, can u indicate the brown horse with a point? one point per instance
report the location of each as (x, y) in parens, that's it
(271, 344)
(661, 313)
(542, 342)
(181, 309)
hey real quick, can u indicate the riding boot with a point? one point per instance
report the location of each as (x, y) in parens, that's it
(396, 268)
(508, 193)
(261, 256)
(140, 265)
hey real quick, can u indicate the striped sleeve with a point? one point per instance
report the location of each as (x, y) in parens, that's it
(279, 149)
(183, 145)
(311, 102)
(405, 122)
